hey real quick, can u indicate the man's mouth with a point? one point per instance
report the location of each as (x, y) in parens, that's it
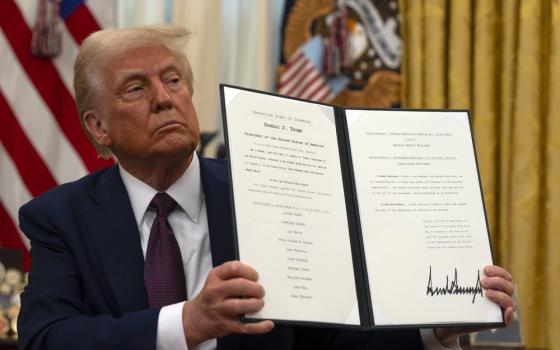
(168, 124)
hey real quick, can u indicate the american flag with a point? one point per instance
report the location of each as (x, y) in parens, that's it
(41, 141)
(304, 77)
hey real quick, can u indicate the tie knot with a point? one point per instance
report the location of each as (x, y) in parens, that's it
(162, 204)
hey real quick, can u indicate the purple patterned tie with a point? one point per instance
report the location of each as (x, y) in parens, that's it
(164, 275)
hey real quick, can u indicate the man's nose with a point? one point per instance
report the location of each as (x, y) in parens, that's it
(161, 99)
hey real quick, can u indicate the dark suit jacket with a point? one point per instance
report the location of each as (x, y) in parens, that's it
(86, 284)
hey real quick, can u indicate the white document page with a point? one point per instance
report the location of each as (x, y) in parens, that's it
(289, 205)
(422, 217)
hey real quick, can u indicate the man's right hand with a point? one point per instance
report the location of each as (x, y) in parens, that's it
(231, 290)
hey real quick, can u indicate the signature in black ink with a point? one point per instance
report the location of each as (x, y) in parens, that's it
(454, 288)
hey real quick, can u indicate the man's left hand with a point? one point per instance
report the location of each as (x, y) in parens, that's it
(499, 289)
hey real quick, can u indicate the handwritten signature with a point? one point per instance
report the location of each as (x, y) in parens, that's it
(454, 287)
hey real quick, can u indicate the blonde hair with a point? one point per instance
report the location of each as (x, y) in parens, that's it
(101, 47)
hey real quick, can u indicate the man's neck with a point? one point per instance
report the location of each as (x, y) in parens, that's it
(159, 174)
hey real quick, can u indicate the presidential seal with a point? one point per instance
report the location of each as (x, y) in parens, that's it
(361, 49)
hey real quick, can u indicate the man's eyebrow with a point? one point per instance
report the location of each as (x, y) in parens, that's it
(171, 66)
(130, 74)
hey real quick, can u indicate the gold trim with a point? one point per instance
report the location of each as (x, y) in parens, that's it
(300, 19)
(382, 90)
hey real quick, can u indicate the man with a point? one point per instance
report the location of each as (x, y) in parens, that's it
(138, 256)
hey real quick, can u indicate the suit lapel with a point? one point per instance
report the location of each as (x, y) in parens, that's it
(111, 224)
(216, 192)
(215, 184)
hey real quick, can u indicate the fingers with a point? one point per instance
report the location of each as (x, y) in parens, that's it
(497, 271)
(234, 288)
(234, 280)
(235, 307)
(236, 269)
(508, 315)
(230, 290)
(198, 326)
(500, 298)
(499, 289)
(505, 301)
(498, 283)
(239, 296)
(240, 287)
(255, 328)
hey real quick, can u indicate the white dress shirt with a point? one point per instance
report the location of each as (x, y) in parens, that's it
(190, 226)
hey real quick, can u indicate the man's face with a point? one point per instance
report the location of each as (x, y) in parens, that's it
(146, 106)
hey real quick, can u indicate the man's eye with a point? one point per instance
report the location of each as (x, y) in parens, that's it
(133, 89)
(174, 81)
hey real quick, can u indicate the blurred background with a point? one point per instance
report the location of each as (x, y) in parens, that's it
(498, 58)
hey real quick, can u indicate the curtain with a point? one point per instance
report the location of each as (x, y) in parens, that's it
(202, 18)
(132, 13)
(501, 60)
(251, 42)
(235, 42)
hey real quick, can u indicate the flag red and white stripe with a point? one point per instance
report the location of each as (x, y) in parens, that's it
(41, 140)
(303, 79)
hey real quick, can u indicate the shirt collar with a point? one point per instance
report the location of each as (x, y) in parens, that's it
(186, 191)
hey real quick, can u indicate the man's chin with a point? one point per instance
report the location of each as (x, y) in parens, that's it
(176, 149)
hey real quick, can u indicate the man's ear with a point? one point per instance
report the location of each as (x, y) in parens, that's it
(96, 127)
